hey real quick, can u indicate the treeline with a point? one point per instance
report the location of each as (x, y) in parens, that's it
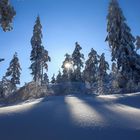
(123, 77)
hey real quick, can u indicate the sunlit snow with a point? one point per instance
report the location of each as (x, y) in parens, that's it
(73, 117)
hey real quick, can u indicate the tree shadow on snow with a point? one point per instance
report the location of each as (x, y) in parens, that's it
(133, 101)
(52, 119)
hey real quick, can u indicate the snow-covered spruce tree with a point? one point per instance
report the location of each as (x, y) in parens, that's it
(67, 68)
(77, 58)
(45, 79)
(114, 77)
(45, 58)
(36, 53)
(53, 80)
(13, 72)
(121, 41)
(39, 56)
(7, 14)
(59, 77)
(102, 75)
(6, 87)
(91, 68)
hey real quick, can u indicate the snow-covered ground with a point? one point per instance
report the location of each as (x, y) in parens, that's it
(112, 117)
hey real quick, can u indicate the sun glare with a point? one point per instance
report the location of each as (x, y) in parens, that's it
(68, 65)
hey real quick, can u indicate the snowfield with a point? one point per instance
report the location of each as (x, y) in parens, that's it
(73, 117)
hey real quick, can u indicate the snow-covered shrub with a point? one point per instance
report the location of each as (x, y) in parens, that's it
(29, 91)
(69, 88)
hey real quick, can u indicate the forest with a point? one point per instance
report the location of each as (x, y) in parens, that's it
(76, 75)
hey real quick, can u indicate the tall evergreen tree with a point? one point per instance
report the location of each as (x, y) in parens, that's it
(39, 56)
(114, 77)
(78, 64)
(91, 67)
(36, 52)
(102, 74)
(6, 87)
(7, 13)
(53, 80)
(59, 77)
(121, 41)
(13, 72)
(67, 68)
(45, 58)
(45, 79)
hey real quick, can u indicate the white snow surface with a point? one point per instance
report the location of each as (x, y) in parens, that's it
(73, 117)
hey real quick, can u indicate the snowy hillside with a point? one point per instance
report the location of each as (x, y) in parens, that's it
(110, 117)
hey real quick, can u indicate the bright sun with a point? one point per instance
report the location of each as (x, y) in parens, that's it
(68, 65)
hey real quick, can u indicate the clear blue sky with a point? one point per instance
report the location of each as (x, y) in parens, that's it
(64, 22)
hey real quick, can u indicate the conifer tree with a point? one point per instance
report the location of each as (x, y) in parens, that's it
(121, 41)
(59, 77)
(114, 77)
(91, 67)
(6, 87)
(39, 56)
(36, 52)
(13, 72)
(102, 74)
(67, 68)
(45, 58)
(7, 14)
(78, 64)
(46, 79)
(53, 80)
